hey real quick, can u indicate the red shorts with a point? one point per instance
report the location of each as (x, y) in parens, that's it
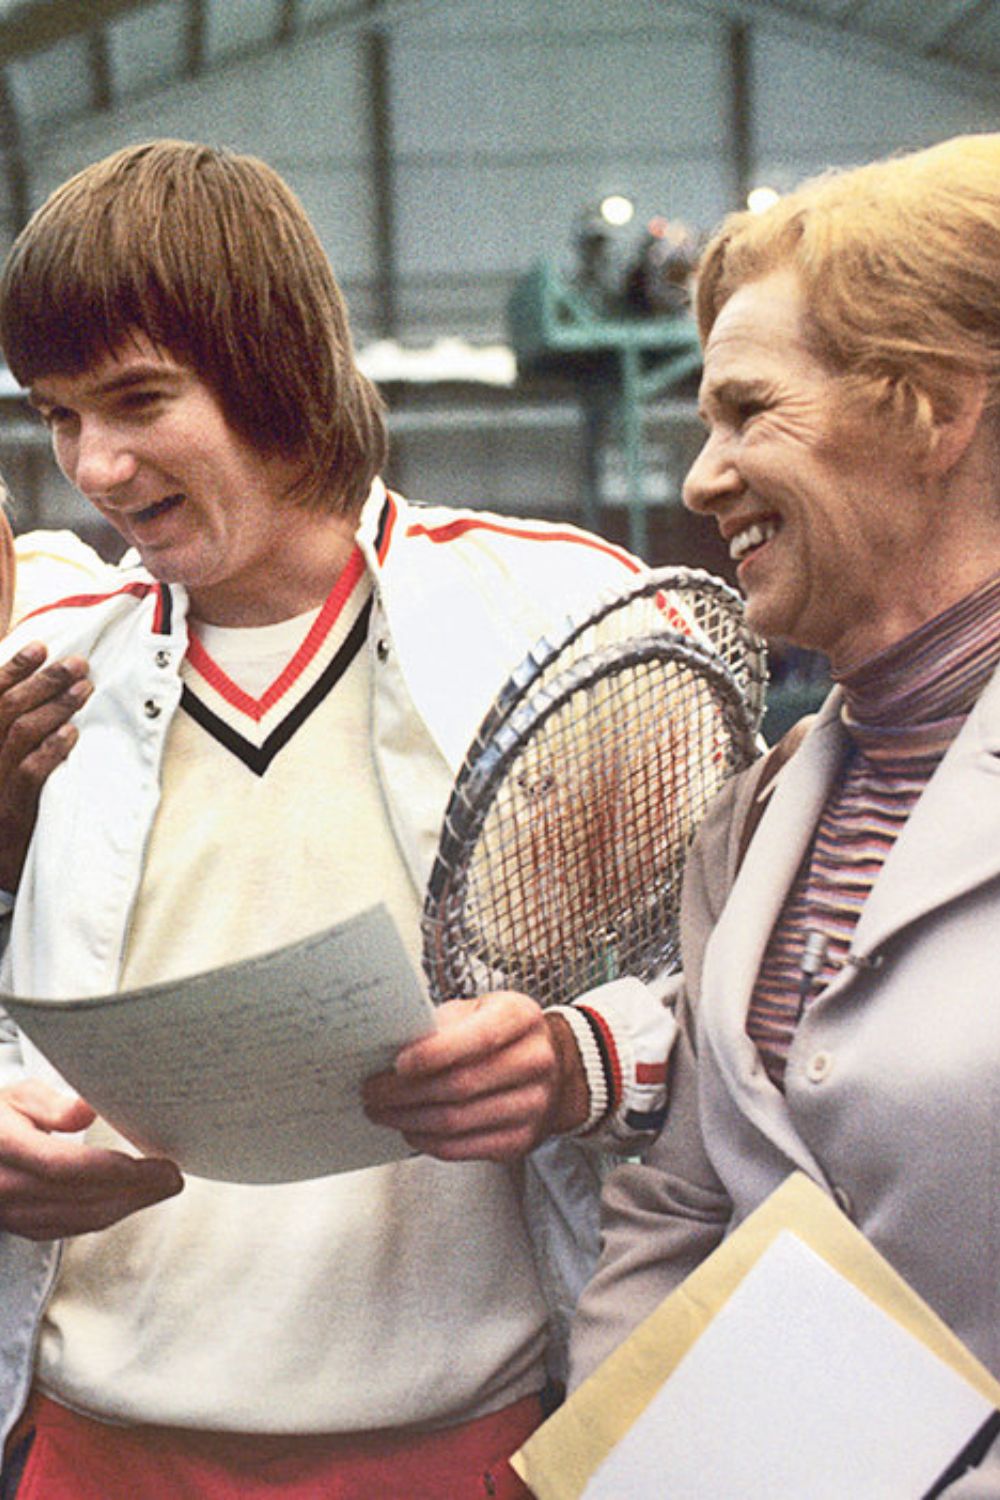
(72, 1457)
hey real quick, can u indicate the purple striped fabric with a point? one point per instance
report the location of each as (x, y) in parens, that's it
(902, 710)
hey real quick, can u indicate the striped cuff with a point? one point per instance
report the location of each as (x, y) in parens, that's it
(587, 1033)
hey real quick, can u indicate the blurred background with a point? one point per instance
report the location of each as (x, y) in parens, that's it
(512, 192)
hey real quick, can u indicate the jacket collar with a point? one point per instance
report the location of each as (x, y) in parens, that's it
(950, 844)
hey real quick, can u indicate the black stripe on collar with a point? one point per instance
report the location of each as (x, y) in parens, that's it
(257, 758)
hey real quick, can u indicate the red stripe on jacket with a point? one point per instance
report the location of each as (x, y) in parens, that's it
(449, 530)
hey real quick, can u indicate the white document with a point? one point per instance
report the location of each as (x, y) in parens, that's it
(800, 1386)
(251, 1072)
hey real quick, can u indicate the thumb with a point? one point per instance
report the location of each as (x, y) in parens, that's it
(50, 1109)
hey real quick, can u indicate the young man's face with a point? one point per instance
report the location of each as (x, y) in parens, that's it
(145, 441)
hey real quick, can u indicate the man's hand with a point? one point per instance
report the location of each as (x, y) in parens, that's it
(51, 1186)
(495, 1079)
(36, 704)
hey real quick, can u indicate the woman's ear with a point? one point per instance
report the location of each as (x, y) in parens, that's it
(8, 572)
(956, 421)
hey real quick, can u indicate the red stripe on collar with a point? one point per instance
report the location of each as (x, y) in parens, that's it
(256, 708)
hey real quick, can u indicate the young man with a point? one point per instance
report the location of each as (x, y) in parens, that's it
(282, 695)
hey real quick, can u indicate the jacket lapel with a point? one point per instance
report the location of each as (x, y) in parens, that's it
(736, 948)
(951, 843)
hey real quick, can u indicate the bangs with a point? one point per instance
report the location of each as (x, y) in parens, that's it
(212, 258)
(59, 324)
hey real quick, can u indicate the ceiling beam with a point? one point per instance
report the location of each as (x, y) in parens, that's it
(102, 90)
(287, 24)
(378, 49)
(951, 21)
(32, 27)
(796, 20)
(15, 167)
(741, 110)
(195, 39)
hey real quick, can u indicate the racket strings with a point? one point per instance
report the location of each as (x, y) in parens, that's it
(564, 842)
(576, 875)
(688, 602)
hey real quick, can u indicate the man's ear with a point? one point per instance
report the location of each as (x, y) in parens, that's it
(8, 572)
(956, 421)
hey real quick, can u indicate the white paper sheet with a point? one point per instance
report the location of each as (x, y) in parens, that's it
(803, 1386)
(251, 1072)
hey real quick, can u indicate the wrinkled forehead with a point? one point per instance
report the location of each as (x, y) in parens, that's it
(760, 332)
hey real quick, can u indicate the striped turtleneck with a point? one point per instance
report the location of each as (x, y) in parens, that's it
(902, 709)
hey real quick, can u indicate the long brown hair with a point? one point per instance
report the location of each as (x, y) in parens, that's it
(211, 256)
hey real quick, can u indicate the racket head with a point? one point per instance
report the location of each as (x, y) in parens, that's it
(689, 602)
(564, 841)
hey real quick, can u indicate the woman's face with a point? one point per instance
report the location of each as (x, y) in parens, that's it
(826, 516)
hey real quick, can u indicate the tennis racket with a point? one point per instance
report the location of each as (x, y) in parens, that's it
(564, 840)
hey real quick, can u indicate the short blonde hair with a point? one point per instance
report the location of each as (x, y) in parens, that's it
(212, 256)
(899, 263)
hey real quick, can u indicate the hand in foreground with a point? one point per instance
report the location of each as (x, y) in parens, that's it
(497, 1077)
(36, 704)
(51, 1186)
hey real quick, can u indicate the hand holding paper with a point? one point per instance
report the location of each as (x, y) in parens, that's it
(52, 1186)
(488, 1084)
(251, 1072)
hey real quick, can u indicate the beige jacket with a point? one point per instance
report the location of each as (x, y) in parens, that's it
(892, 1099)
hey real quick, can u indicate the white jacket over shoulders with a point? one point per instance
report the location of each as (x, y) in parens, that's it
(459, 597)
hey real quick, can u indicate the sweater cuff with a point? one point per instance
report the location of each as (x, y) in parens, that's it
(594, 1067)
(634, 1028)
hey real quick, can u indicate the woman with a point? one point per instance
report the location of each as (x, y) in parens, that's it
(851, 380)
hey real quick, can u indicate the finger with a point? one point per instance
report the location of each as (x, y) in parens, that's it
(26, 765)
(87, 1185)
(57, 1161)
(23, 663)
(25, 683)
(25, 1211)
(34, 1142)
(468, 1030)
(48, 1108)
(20, 789)
(530, 1058)
(24, 724)
(53, 749)
(517, 1109)
(51, 1185)
(493, 1145)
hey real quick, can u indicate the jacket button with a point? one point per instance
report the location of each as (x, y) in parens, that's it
(151, 709)
(818, 1067)
(382, 649)
(162, 658)
(843, 1200)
